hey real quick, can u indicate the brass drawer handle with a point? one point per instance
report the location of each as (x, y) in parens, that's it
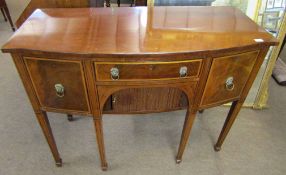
(60, 90)
(114, 72)
(183, 71)
(229, 85)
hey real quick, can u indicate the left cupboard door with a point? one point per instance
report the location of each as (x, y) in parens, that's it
(59, 84)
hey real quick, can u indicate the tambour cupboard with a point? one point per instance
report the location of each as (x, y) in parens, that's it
(91, 61)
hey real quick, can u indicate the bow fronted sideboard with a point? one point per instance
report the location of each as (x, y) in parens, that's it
(91, 61)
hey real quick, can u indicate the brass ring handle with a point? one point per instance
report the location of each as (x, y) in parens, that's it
(114, 73)
(183, 71)
(60, 90)
(229, 85)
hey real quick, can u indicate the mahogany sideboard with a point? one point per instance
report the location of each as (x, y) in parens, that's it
(91, 61)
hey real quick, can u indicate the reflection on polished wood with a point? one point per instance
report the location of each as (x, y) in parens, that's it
(137, 60)
(138, 30)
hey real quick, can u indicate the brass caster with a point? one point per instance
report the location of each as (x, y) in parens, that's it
(217, 148)
(178, 161)
(59, 163)
(104, 167)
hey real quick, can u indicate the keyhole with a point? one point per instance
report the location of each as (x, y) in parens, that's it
(151, 67)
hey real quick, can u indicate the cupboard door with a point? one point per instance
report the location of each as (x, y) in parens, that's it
(227, 78)
(59, 84)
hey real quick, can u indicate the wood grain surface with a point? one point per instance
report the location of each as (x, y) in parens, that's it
(45, 74)
(236, 66)
(147, 70)
(139, 30)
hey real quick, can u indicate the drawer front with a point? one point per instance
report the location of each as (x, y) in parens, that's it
(227, 77)
(147, 70)
(58, 84)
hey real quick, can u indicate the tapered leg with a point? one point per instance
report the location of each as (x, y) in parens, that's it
(46, 128)
(132, 2)
(3, 14)
(100, 142)
(190, 116)
(118, 3)
(70, 117)
(9, 17)
(107, 3)
(232, 114)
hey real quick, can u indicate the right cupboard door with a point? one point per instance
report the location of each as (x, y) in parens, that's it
(227, 78)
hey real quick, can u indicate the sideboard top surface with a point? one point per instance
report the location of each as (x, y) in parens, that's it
(137, 30)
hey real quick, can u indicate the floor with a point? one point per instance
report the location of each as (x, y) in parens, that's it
(138, 144)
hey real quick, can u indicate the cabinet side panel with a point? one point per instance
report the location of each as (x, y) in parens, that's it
(24, 75)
